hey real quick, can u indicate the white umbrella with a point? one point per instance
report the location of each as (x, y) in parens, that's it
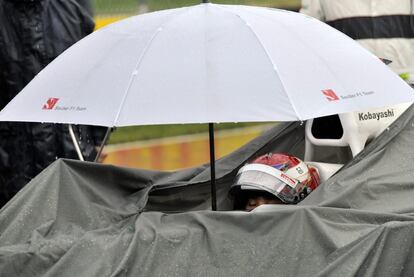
(208, 63)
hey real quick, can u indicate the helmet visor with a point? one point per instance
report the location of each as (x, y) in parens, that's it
(267, 178)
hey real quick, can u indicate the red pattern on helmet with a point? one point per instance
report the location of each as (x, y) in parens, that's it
(284, 162)
(315, 179)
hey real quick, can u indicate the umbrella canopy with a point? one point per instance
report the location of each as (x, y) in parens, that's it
(208, 63)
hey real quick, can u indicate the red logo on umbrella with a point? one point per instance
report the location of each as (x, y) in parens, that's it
(330, 95)
(51, 102)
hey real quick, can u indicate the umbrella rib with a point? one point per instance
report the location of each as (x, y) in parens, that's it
(267, 54)
(309, 46)
(138, 63)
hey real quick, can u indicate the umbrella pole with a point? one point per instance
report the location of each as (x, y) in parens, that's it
(75, 143)
(212, 160)
(105, 139)
(212, 167)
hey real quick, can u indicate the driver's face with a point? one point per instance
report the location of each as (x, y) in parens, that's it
(256, 201)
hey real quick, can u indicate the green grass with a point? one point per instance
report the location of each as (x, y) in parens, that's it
(131, 6)
(115, 7)
(165, 4)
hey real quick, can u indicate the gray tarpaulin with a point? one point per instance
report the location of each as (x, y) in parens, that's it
(86, 219)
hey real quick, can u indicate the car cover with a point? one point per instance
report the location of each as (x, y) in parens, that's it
(87, 219)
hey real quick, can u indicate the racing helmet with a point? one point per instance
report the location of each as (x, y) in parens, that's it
(282, 175)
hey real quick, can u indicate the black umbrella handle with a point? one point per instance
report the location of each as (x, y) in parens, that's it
(212, 167)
